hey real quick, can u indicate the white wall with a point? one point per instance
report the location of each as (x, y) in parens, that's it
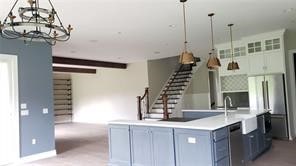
(197, 95)
(159, 71)
(108, 95)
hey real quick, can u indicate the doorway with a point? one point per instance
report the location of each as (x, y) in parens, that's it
(9, 119)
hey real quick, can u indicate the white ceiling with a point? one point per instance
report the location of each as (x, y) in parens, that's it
(137, 30)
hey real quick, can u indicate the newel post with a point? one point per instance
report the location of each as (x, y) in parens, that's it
(147, 99)
(165, 107)
(139, 108)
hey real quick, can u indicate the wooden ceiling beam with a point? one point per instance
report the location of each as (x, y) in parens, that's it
(74, 70)
(84, 62)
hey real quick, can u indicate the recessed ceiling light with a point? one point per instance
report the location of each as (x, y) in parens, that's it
(119, 33)
(72, 51)
(156, 52)
(172, 26)
(93, 41)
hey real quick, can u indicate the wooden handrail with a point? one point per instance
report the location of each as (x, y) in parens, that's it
(140, 98)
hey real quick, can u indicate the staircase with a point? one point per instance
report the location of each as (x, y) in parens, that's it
(174, 89)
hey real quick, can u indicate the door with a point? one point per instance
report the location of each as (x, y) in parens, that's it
(9, 149)
(193, 148)
(163, 146)
(141, 146)
(275, 93)
(279, 126)
(260, 91)
(119, 145)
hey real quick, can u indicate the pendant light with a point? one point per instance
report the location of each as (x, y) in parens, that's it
(232, 65)
(213, 62)
(186, 57)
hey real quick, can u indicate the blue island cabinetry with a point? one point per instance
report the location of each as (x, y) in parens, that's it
(132, 145)
(152, 146)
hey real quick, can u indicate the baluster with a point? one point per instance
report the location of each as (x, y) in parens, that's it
(147, 100)
(139, 108)
(165, 107)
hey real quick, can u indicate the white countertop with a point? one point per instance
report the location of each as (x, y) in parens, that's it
(210, 123)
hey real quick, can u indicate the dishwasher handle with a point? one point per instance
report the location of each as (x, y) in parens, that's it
(235, 127)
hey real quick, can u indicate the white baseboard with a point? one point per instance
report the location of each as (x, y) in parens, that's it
(35, 157)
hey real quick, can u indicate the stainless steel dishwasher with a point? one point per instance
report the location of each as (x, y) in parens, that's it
(236, 145)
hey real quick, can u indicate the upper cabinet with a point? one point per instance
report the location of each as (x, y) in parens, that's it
(266, 56)
(256, 55)
(240, 56)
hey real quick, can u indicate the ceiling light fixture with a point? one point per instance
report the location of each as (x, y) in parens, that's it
(186, 57)
(34, 23)
(232, 65)
(213, 62)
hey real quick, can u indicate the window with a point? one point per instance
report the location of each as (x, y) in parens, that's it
(272, 44)
(254, 47)
(238, 51)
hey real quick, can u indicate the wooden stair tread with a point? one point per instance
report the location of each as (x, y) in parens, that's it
(158, 113)
(178, 81)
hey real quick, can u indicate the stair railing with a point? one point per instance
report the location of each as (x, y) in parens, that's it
(165, 96)
(140, 99)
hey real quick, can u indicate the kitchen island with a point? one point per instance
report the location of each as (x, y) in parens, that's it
(206, 141)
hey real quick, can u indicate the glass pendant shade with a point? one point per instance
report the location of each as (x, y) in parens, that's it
(187, 58)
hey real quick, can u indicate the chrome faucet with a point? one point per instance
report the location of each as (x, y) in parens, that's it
(225, 105)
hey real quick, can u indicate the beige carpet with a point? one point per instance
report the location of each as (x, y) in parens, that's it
(87, 145)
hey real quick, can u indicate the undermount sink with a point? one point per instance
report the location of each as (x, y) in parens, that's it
(249, 122)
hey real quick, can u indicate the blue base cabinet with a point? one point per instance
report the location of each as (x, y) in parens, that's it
(163, 146)
(152, 146)
(160, 146)
(259, 140)
(201, 147)
(119, 145)
(193, 148)
(251, 145)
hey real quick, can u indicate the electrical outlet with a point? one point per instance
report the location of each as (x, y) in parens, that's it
(23, 106)
(191, 140)
(45, 110)
(24, 112)
(34, 141)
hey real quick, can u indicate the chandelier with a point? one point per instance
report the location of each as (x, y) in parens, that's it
(34, 23)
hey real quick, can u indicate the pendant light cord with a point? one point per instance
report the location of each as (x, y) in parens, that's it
(185, 28)
(212, 32)
(230, 26)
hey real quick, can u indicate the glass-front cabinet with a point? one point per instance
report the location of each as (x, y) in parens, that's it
(256, 55)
